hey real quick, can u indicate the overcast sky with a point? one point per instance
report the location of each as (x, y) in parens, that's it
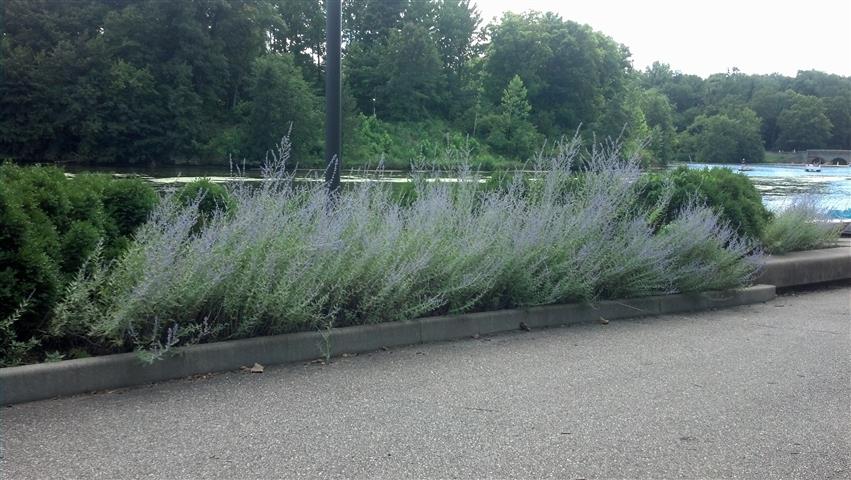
(712, 36)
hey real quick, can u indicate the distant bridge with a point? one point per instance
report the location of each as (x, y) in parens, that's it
(829, 157)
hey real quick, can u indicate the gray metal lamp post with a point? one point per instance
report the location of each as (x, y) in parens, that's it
(333, 92)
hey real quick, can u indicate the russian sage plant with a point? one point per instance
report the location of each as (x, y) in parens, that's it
(287, 257)
(801, 225)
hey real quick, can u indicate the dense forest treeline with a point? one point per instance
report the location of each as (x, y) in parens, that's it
(202, 81)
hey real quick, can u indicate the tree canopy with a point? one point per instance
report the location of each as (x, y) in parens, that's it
(149, 81)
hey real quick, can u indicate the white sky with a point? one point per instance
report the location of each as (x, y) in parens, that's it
(712, 36)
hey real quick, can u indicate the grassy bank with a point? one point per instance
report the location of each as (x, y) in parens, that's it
(785, 157)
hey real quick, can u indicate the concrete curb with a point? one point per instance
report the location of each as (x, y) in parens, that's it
(47, 380)
(807, 267)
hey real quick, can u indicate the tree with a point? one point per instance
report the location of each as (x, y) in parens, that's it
(570, 71)
(657, 75)
(622, 118)
(804, 124)
(119, 81)
(242, 29)
(509, 131)
(369, 22)
(456, 28)
(725, 137)
(281, 98)
(838, 111)
(659, 115)
(768, 104)
(456, 23)
(135, 111)
(728, 89)
(415, 81)
(821, 84)
(685, 92)
(398, 51)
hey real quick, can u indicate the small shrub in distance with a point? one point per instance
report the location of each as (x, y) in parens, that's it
(210, 197)
(802, 225)
(731, 195)
(128, 203)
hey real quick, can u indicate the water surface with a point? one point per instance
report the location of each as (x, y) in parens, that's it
(778, 184)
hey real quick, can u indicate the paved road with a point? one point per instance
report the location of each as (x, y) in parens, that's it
(761, 391)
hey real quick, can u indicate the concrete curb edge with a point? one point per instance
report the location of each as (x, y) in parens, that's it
(47, 380)
(807, 267)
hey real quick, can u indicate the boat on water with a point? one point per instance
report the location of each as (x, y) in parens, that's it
(744, 167)
(812, 167)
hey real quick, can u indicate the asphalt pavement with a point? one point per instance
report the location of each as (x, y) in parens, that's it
(761, 391)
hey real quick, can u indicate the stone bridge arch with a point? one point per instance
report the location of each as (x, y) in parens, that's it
(829, 157)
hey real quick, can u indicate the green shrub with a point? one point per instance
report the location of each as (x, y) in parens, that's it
(802, 225)
(211, 197)
(77, 243)
(399, 144)
(49, 225)
(13, 351)
(731, 195)
(27, 271)
(128, 203)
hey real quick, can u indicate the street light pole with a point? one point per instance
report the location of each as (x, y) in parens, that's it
(333, 92)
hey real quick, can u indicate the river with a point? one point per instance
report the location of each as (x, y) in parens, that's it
(779, 183)
(776, 182)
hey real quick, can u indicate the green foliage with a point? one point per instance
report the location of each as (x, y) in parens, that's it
(731, 195)
(804, 124)
(401, 79)
(134, 81)
(282, 100)
(128, 203)
(210, 198)
(624, 119)
(368, 22)
(13, 351)
(570, 71)
(34, 216)
(296, 27)
(50, 226)
(659, 115)
(838, 111)
(398, 145)
(725, 137)
(410, 60)
(768, 104)
(415, 83)
(685, 92)
(159, 82)
(509, 131)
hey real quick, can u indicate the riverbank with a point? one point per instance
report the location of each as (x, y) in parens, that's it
(791, 158)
